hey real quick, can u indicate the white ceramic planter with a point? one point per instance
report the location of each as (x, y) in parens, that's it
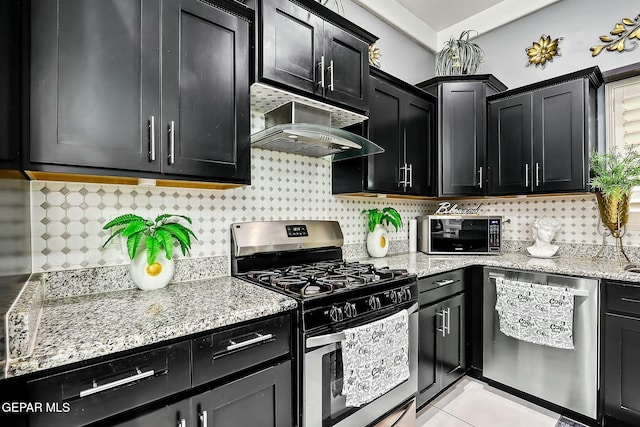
(150, 277)
(378, 242)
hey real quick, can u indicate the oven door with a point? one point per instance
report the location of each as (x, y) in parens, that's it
(324, 404)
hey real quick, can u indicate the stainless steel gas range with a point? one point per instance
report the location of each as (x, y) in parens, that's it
(303, 259)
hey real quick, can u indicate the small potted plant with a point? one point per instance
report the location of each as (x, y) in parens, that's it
(613, 175)
(146, 240)
(377, 240)
(459, 56)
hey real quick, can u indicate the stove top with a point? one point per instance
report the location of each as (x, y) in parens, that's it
(326, 277)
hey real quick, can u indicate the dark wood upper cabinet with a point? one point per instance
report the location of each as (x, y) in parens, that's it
(310, 50)
(402, 121)
(140, 88)
(10, 84)
(510, 136)
(205, 74)
(95, 79)
(462, 149)
(540, 136)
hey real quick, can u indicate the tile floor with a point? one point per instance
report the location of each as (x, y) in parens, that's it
(472, 403)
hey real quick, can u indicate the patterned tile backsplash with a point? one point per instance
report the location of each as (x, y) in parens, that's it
(67, 218)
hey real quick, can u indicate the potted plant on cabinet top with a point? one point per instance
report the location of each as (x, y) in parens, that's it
(459, 56)
(613, 175)
(377, 240)
(146, 240)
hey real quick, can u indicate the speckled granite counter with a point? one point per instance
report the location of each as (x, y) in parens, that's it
(79, 328)
(426, 265)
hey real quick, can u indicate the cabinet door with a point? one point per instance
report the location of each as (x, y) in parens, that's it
(291, 40)
(621, 373)
(175, 415)
(559, 161)
(429, 333)
(510, 137)
(419, 145)
(347, 68)
(462, 138)
(95, 83)
(262, 399)
(383, 170)
(10, 83)
(205, 98)
(451, 352)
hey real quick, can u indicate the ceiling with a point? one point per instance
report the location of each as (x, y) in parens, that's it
(441, 14)
(432, 22)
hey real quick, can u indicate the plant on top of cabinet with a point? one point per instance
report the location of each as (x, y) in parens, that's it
(147, 270)
(459, 56)
(377, 240)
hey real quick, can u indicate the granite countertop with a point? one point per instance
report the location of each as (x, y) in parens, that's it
(427, 265)
(79, 328)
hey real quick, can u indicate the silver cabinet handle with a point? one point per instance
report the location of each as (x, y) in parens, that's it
(410, 172)
(98, 388)
(403, 175)
(321, 65)
(444, 282)
(537, 174)
(203, 419)
(152, 139)
(442, 330)
(183, 423)
(448, 324)
(259, 338)
(172, 142)
(526, 175)
(330, 68)
(480, 178)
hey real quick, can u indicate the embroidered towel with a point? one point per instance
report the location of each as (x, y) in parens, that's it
(375, 358)
(539, 314)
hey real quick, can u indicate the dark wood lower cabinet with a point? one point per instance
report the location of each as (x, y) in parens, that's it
(441, 349)
(261, 399)
(622, 376)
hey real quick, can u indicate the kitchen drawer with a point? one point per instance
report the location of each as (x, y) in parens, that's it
(98, 391)
(438, 287)
(623, 297)
(234, 349)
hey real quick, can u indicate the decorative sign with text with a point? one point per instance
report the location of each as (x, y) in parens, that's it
(446, 208)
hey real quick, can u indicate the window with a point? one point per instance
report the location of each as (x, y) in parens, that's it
(623, 128)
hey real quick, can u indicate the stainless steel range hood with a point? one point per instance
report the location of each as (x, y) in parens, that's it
(301, 129)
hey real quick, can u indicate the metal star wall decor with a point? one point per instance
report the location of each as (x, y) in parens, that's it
(543, 51)
(622, 32)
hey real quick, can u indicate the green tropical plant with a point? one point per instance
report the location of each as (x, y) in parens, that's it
(388, 215)
(159, 234)
(459, 56)
(615, 173)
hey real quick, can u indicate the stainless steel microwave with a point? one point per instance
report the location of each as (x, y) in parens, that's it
(459, 234)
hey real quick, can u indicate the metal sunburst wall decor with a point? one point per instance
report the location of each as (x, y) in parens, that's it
(543, 51)
(622, 32)
(374, 55)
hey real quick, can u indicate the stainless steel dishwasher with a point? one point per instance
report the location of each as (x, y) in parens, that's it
(568, 378)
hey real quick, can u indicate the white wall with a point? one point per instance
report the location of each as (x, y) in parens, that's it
(579, 22)
(401, 57)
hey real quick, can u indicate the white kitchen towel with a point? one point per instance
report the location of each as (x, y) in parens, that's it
(375, 358)
(539, 314)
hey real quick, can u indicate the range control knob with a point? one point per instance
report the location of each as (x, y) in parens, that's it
(336, 314)
(374, 302)
(350, 310)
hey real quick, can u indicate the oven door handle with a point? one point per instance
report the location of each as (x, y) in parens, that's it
(336, 337)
